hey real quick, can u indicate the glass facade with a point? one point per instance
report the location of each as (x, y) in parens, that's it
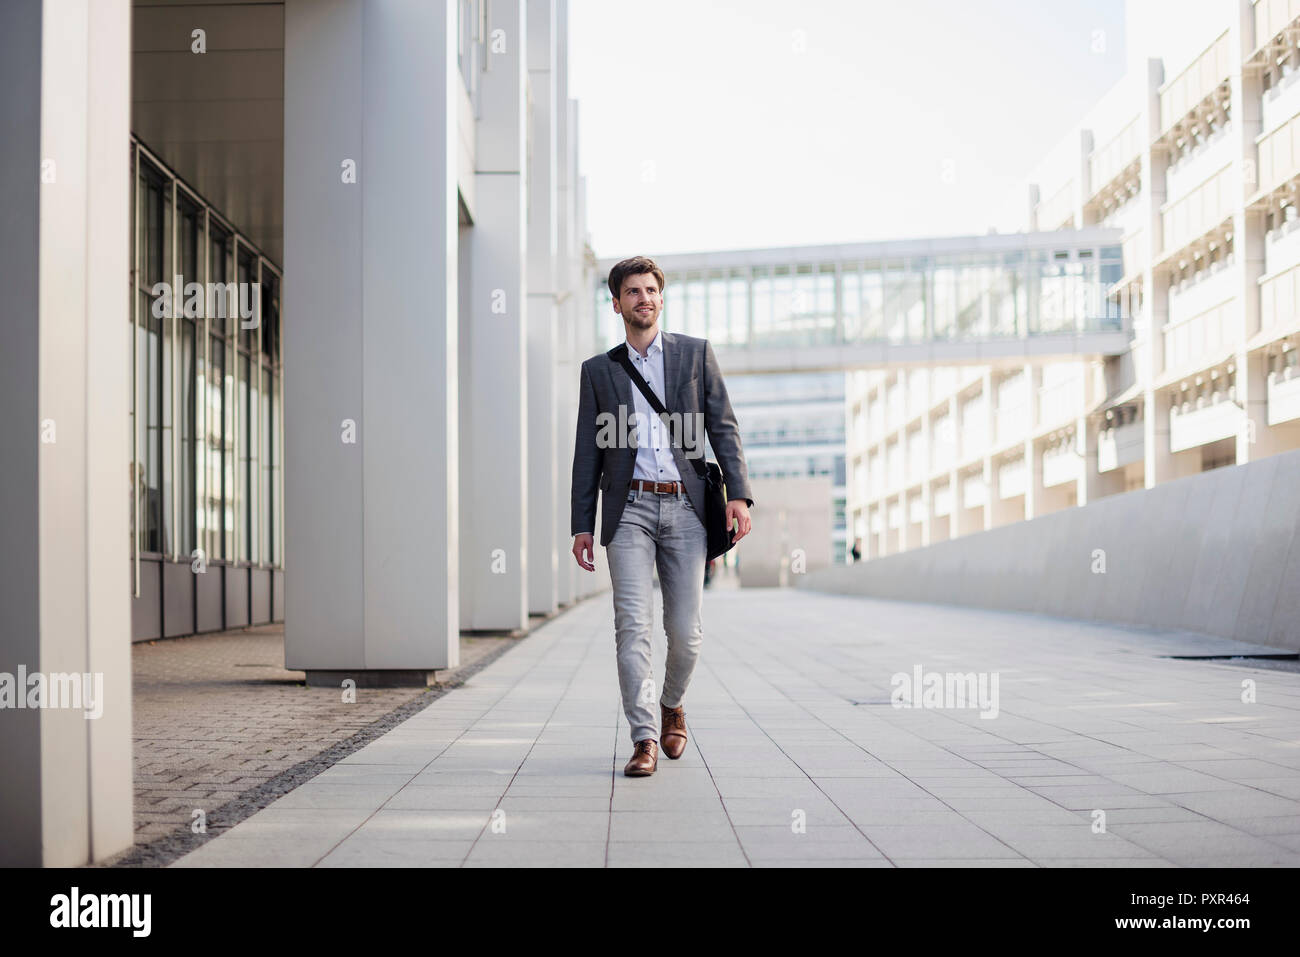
(1007, 293)
(960, 295)
(206, 440)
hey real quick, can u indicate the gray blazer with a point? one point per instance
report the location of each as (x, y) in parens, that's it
(693, 383)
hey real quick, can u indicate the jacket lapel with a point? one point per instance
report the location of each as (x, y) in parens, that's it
(623, 389)
(672, 374)
(672, 357)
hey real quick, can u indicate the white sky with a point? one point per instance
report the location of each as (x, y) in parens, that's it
(721, 124)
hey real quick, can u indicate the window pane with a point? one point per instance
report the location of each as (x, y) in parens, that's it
(270, 317)
(132, 297)
(189, 248)
(277, 477)
(264, 475)
(216, 451)
(133, 428)
(218, 306)
(695, 309)
(202, 534)
(150, 436)
(152, 252)
(165, 439)
(738, 306)
(148, 502)
(243, 498)
(825, 309)
(718, 329)
(762, 306)
(247, 410)
(782, 306)
(246, 311)
(232, 501)
(185, 467)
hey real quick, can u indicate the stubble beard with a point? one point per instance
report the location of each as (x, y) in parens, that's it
(638, 321)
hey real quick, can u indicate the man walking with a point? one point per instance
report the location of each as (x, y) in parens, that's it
(653, 501)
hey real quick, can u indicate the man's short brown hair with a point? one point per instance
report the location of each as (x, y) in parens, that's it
(636, 266)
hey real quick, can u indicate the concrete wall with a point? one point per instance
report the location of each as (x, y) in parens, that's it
(1216, 553)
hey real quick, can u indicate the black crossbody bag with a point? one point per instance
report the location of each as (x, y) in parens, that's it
(715, 499)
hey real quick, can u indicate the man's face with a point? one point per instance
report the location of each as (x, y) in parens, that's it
(640, 301)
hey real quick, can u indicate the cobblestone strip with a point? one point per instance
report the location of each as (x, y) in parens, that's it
(161, 851)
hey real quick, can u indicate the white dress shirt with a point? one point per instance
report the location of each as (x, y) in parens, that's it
(654, 454)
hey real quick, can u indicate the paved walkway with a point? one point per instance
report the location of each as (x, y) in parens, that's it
(797, 756)
(216, 715)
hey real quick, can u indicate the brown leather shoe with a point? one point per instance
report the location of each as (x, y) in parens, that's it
(672, 731)
(644, 759)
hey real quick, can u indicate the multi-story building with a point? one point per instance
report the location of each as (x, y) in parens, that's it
(793, 427)
(1195, 165)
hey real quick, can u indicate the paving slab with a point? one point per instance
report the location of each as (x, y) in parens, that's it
(798, 758)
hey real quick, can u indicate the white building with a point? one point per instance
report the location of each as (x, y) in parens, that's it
(792, 427)
(1196, 164)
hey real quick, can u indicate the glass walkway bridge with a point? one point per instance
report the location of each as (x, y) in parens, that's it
(999, 299)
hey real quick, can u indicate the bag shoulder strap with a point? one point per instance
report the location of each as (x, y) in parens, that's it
(649, 393)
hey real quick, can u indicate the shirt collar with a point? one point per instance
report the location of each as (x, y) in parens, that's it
(656, 343)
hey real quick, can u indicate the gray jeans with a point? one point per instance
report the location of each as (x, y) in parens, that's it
(656, 530)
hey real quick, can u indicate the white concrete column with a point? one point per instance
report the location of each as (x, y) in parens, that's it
(1163, 464)
(371, 378)
(1158, 462)
(548, 544)
(579, 322)
(65, 67)
(1257, 439)
(495, 475)
(992, 504)
(576, 583)
(990, 494)
(1087, 487)
(1093, 484)
(1033, 458)
(568, 279)
(955, 525)
(927, 443)
(1033, 478)
(570, 585)
(1254, 439)
(1247, 123)
(904, 542)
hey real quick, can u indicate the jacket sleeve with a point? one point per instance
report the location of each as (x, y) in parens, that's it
(588, 460)
(724, 431)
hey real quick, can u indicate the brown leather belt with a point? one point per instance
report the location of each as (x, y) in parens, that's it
(660, 487)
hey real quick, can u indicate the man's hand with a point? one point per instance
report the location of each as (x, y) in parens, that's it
(584, 549)
(738, 511)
